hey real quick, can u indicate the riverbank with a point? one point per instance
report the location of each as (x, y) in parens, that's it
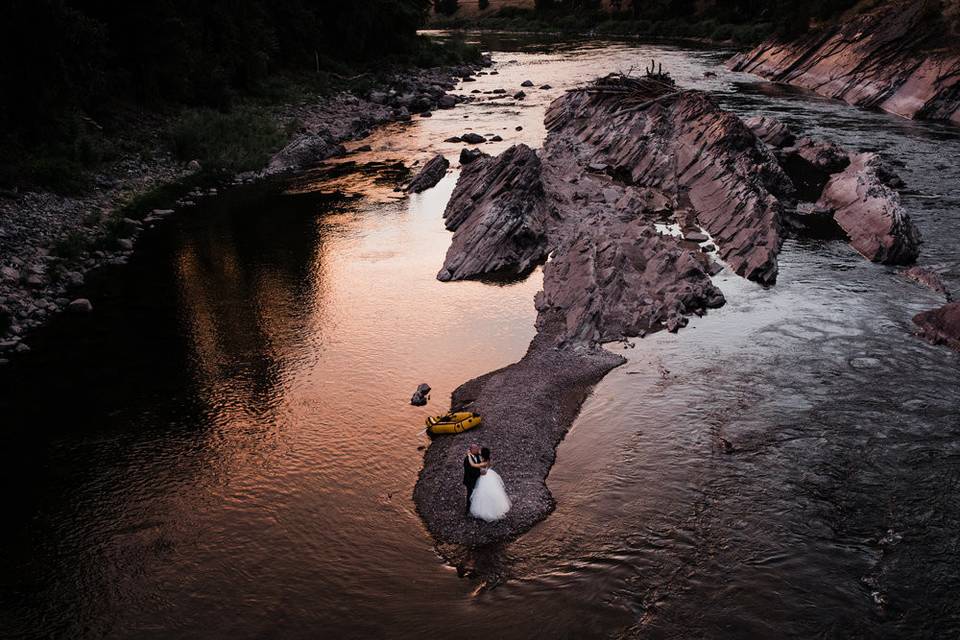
(901, 57)
(49, 241)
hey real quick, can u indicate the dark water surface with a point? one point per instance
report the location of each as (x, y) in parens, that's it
(224, 449)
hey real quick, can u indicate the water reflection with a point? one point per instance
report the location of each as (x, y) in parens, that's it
(224, 448)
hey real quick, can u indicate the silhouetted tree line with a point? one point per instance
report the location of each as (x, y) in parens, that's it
(63, 55)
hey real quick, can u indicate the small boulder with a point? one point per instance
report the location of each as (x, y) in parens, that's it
(519, 95)
(469, 155)
(546, 87)
(193, 165)
(447, 101)
(473, 138)
(80, 306)
(526, 83)
(453, 139)
(125, 244)
(430, 175)
(421, 395)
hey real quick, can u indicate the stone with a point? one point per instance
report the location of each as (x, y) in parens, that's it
(9, 274)
(695, 236)
(770, 130)
(125, 244)
(431, 173)
(73, 279)
(546, 87)
(942, 325)
(470, 155)
(447, 101)
(473, 138)
(526, 83)
(519, 95)
(927, 278)
(193, 165)
(453, 139)
(426, 114)
(870, 212)
(498, 215)
(518, 128)
(304, 151)
(80, 306)
(496, 139)
(35, 281)
(421, 395)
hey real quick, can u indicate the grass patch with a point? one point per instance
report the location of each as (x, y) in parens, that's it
(241, 140)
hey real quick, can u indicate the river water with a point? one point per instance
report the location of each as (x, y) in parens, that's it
(224, 449)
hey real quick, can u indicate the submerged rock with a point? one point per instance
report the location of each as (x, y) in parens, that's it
(429, 175)
(927, 278)
(941, 326)
(870, 212)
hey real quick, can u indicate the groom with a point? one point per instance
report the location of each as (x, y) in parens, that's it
(471, 474)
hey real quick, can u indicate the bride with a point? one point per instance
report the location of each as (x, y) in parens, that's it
(489, 501)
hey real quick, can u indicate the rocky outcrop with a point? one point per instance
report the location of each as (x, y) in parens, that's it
(429, 175)
(900, 57)
(941, 326)
(499, 216)
(870, 213)
(770, 130)
(683, 143)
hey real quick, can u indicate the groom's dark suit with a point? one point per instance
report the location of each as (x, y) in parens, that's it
(470, 475)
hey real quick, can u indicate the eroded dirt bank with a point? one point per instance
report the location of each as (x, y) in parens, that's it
(641, 192)
(902, 57)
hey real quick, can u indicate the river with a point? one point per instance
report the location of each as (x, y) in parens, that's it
(225, 449)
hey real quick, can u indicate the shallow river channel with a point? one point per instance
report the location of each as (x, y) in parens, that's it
(225, 449)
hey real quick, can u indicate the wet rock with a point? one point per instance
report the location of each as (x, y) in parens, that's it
(518, 128)
(453, 139)
(770, 130)
(546, 87)
(927, 278)
(526, 83)
(304, 151)
(80, 306)
(447, 101)
(496, 139)
(473, 138)
(941, 326)
(469, 155)
(709, 74)
(695, 236)
(498, 215)
(519, 95)
(870, 213)
(886, 58)
(426, 114)
(683, 143)
(431, 173)
(421, 395)
(814, 220)
(363, 149)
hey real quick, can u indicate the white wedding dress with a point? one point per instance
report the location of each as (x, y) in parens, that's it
(489, 501)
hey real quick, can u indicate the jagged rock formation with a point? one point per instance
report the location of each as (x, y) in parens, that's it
(429, 175)
(941, 326)
(900, 57)
(870, 212)
(681, 142)
(498, 211)
(853, 191)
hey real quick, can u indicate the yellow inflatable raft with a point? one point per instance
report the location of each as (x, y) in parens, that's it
(452, 423)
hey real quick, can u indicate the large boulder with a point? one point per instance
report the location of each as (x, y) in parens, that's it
(870, 212)
(304, 151)
(429, 175)
(499, 217)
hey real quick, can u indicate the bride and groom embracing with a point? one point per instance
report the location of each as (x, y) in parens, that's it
(486, 496)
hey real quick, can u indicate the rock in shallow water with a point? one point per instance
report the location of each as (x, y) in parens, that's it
(430, 175)
(941, 326)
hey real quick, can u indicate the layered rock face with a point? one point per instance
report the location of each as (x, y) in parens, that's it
(870, 213)
(851, 192)
(499, 216)
(682, 143)
(900, 57)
